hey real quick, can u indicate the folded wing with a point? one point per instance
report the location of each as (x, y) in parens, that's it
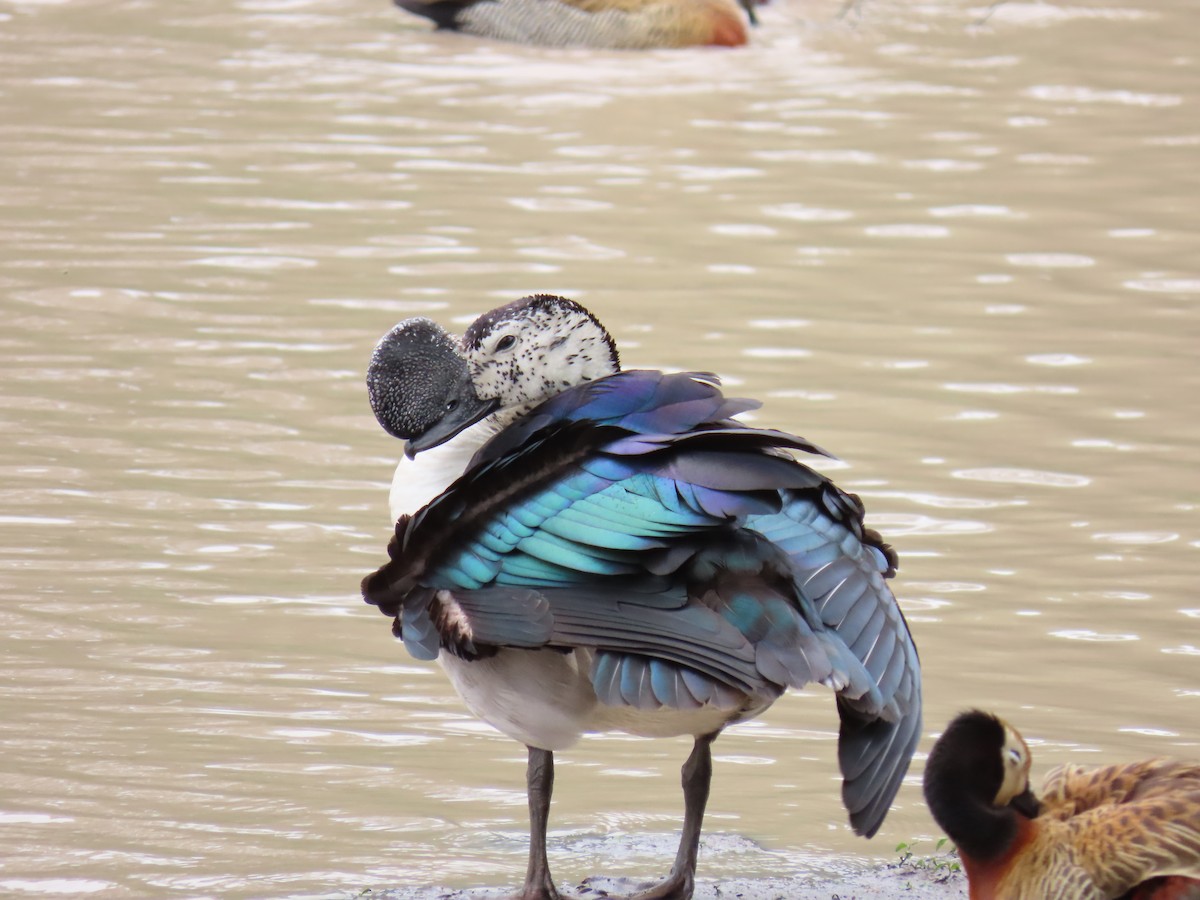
(692, 553)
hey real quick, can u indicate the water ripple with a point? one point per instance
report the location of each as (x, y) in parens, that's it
(1136, 537)
(1082, 94)
(1003, 388)
(1032, 477)
(1165, 285)
(559, 205)
(56, 885)
(1050, 260)
(908, 230)
(1057, 359)
(1085, 634)
(801, 213)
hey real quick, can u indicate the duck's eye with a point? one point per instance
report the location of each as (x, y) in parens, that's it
(451, 405)
(506, 342)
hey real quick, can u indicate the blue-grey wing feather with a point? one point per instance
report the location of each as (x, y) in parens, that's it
(690, 553)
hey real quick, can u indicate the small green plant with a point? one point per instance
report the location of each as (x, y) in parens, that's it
(941, 864)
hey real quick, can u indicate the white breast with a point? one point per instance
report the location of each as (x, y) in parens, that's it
(419, 480)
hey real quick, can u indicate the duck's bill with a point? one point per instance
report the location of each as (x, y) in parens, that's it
(467, 411)
(1027, 804)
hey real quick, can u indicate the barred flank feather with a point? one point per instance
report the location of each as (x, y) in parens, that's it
(612, 24)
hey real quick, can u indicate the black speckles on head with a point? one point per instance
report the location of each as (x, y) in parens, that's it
(534, 347)
(417, 372)
(529, 308)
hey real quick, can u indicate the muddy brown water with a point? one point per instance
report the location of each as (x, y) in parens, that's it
(955, 245)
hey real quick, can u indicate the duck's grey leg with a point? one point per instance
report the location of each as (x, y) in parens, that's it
(539, 778)
(697, 774)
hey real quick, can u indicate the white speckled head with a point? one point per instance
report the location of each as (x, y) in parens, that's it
(527, 351)
(419, 385)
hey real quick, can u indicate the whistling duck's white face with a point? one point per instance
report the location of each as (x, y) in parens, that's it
(527, 351)
(1015, 757)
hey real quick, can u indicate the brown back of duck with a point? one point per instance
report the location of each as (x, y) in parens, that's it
(1130, 826)
(599, 24)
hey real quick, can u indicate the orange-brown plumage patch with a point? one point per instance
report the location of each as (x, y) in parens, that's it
(1121, 832)
(728, 31)
(985, 877)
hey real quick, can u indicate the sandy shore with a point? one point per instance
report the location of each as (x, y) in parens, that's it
(922, 870)
(893, 882)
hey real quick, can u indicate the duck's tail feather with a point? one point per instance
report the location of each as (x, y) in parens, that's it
(873, 754)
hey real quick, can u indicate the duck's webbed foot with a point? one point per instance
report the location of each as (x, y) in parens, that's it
(676, 886)
(539, 887)
(542, 890)
(697, 774)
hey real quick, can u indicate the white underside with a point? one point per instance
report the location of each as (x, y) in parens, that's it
(544, 698)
